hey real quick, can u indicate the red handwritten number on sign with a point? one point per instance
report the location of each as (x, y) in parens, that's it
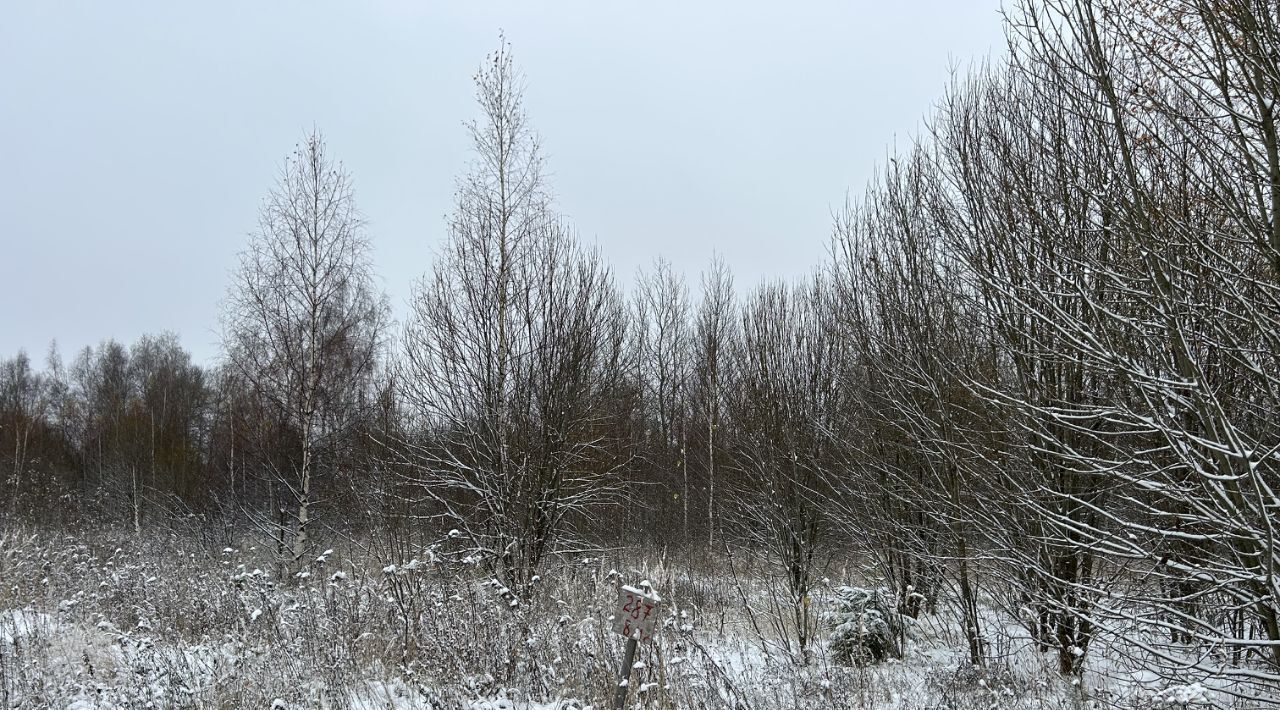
(637, 610)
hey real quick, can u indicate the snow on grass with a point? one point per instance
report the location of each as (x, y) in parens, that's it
(164, 623)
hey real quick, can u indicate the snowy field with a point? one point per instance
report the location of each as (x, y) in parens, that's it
(120, 621)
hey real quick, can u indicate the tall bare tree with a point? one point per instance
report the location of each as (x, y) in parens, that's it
(513, 356)
(713, 334)
(660, 315)
(915, 468)
(303, 321)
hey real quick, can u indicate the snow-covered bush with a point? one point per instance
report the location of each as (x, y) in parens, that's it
(1188, 695)
(866, 626)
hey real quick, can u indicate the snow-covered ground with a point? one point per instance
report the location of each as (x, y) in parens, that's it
(119, 622)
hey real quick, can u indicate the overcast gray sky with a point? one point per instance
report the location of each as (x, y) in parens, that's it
(137, 139)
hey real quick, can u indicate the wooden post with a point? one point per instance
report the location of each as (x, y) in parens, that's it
(624, 674)
(636, 621)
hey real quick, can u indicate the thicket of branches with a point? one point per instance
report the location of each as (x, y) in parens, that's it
(1042, 369)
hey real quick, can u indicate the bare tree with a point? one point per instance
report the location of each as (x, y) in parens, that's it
(713, 333)
(513, 357)
(170, 393)
(25, 403)
(660, 314)
(102, 391)
(923, 440)
(786, 405)
(303, 322)
(1163, 294)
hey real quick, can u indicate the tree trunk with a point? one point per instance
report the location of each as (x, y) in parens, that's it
(304, 496)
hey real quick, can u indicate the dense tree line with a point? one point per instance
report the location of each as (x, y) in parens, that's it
(1041, 369)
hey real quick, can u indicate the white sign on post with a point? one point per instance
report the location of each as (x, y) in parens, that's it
(636, 611)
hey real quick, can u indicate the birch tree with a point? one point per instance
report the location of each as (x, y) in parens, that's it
(303, 322)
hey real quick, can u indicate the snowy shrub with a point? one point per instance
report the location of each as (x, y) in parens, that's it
(866, 626)
(1152, 693)
(1182, 696)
